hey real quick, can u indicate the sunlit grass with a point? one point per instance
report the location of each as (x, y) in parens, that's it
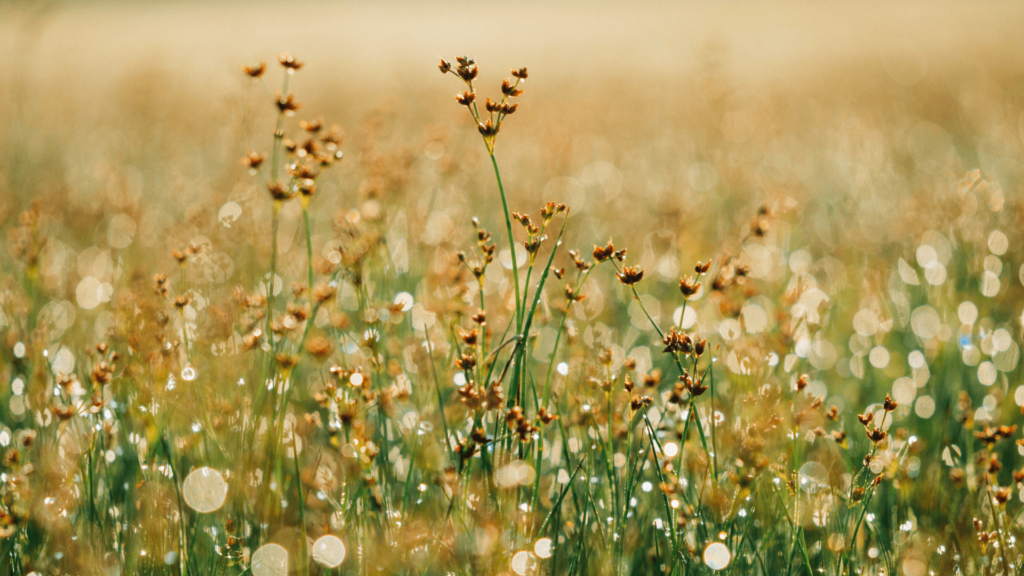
(391, 361)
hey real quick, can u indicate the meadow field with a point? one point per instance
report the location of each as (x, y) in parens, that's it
(665, 288)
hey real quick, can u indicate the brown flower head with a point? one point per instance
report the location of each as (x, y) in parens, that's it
(253, 160)
(289, 62)
(255, 71)
(287, 104)
(630, 275)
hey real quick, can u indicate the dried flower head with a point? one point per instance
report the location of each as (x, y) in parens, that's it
(287, 105)
(255, 71)
(289, 62)
(630, 275)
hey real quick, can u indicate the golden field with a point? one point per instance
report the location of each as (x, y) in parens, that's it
(324, 359)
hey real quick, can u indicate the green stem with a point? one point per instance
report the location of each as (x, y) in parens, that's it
(309, 249)
(511, 243)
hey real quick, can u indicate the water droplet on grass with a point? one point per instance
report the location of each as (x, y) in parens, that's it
(717, 556)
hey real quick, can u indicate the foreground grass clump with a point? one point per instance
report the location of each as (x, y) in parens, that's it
(355, 402)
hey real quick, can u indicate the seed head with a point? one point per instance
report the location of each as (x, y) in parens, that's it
(444, 66)
(312, 126)
(467, 71)
(278, 191)
(688, 286)
(509, 89)
(602, 254)
(876, 435)
(289, 62)
(699, 346)
(287, 105)
(630, 275)
(466, 98)
(519, 73)
(253, 160)
(677, 342)
(488, 129)
(640, 402)
(889, 404)
(255, 71)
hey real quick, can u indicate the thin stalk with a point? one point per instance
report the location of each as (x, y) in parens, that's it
(309, 247)
(511, 243)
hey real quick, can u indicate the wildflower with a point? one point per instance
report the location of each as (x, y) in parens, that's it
(287, 105)
(307, 187)
(488, 129)
(466, 361)
(652, 378)
(688, 286)
(253, 160)
(469, 338)
(312, 126)
(255, 71)
(889, 405)
(289, 62)
(1001, 495)
(286, 361)
(495, 396)
(466, 98)
(640, 402)
(323, 293)
(699, 346)
(630, 275)
(509, 89)
(677, 342)
(545, 416)
(876, 434)
(279, 192)
(602, 254)
(479, 435)
(520, 73)
(695, 387)
(467, 69)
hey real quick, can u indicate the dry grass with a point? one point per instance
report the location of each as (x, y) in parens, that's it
(853, 408)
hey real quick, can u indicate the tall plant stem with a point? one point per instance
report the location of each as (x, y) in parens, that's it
(309, 247)
(511, 243)
(275, 222)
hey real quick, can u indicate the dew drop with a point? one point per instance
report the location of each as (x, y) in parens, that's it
(329, 551)
(542, 548)
(204, 490)
(270, 560)
(717, 556)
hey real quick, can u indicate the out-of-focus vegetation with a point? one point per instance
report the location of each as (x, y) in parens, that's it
(318, 360)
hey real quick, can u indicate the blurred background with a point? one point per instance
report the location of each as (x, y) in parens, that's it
(684, 107)
(664, 124)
